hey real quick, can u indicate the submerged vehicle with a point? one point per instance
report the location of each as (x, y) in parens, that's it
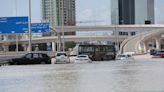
(31, 58)
(82, 59)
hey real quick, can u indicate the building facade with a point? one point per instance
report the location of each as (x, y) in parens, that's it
(59, 12)
(132, 11)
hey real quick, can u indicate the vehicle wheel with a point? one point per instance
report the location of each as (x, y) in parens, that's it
(113, 58)
(42, 62)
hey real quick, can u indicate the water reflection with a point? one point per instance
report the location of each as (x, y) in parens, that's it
(114, 76)
(63, 80)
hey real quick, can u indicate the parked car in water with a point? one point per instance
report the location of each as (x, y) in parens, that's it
(62, 57)
(31, 58)
(158, 55)
(83, 59)
(153, 51)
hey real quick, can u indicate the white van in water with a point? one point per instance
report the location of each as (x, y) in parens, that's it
(83, 59)
(62, 57)
(123, 57)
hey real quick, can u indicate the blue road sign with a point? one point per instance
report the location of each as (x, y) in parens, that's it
(10, 25)
(39, 27)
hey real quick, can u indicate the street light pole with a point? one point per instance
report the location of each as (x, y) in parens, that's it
(58, 38)
(16, 35)
(63, 25)
(29, 27)
(115, 29)
(59, 41)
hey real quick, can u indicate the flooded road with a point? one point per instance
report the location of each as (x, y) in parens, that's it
(113, 76)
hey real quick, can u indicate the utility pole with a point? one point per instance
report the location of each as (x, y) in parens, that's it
(115, 29)
(62, 19)
(29, 27)
(16, 34)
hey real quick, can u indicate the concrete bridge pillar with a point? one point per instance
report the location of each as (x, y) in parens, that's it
(49, 47)
(25, 36)
(5, 37)
(25, 47)
(28, 48)
(142, 48)
(158, 43)
(53, 46)
(6, 48)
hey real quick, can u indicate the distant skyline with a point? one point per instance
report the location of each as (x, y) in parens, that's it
(98, 10)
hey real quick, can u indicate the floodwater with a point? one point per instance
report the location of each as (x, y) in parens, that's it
(107, 76)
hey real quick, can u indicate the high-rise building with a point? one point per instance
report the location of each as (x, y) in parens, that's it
(132, 11)
(58, 12)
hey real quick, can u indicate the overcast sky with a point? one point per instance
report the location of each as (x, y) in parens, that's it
(86, 10)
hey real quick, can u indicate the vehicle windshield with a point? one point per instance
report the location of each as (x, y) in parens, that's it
(82, 56)
(121, 56)
(60, 54)
(158, 54)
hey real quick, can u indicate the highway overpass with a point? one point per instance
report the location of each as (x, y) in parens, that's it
(67, 38)
(125, 28)
(115, 37)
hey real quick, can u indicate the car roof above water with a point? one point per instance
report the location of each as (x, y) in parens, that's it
(61, 53)
(82, 56)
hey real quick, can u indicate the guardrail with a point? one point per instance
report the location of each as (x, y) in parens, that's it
(50, 53)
